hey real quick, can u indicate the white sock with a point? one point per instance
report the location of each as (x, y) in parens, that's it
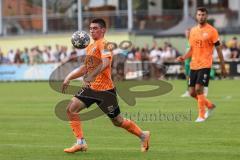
(142, 137)
(205, 91)
(81, 141)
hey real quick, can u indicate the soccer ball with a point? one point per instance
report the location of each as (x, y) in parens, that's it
(80, 39)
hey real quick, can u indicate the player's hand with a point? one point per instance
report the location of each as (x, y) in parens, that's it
(65, 85)
(180, 59)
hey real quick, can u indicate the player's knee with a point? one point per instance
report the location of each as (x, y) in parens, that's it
(199, 91)
(117, 123)
(68, 110)
(192, 93)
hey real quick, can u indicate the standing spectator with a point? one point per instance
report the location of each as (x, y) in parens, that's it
(227, 54)
(52, 56)
(234, 47)
(130, 56)
(3, 59)
(146, 48)
(38, 58)
(11, 56)
(138, 56)
(155, 57)
(73, 56)
(57, 53)
(119, 59)
(81, 53)
(63, 54)
(46, 56)
(145, 63)
(31, 55)
(169, 54)
(144, 54)
(17, 58)
(25, 56)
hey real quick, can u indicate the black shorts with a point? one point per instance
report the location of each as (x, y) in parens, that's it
(200, 76)
(106, 100)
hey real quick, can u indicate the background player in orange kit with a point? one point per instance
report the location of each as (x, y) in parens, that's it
(98, 88)
(203, 38)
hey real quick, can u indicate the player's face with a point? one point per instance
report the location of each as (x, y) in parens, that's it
(96, 31)
(201, 17)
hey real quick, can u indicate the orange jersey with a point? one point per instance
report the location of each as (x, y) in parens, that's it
(95, 53)
(202, 42)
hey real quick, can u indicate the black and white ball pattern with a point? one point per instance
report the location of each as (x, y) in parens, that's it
(80, 39)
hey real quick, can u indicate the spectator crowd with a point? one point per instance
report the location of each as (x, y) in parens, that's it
(155, 56)
(35, 55)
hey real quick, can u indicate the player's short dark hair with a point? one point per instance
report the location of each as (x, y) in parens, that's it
(99, 21)
(202, 9)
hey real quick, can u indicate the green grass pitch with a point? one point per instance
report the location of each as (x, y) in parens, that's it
(29, 129)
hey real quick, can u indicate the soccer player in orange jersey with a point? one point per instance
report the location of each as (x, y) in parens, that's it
(99, 89)
(203, 38)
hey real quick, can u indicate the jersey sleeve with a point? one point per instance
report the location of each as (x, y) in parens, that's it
(105, 53)
(215, 36)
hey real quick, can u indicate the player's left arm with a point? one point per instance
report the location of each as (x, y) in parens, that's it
(106, 54)
(101, 67)
(218, 46)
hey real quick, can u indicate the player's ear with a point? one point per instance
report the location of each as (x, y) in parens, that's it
(103, 30)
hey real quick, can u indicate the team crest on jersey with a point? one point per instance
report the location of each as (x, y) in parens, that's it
(93, 49)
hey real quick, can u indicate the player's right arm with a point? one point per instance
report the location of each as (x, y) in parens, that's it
(185, 56)
(78, 72)
(218, 46)
(221, 59)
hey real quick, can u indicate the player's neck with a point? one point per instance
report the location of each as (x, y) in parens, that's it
(95, 40)
(202, 25)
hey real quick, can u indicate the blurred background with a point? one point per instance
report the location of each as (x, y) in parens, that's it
(35, 35)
